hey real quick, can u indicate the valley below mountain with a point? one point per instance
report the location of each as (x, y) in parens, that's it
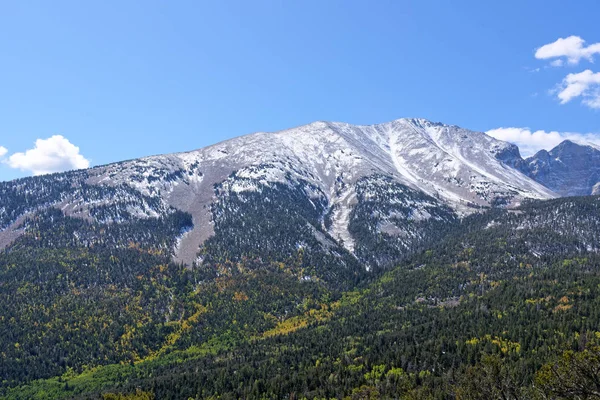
(409, 259)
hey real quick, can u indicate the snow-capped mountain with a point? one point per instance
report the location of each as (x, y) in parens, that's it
(462, 168)
(569, 169)
(452, 167)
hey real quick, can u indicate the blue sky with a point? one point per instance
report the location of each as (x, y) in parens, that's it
(96, 82)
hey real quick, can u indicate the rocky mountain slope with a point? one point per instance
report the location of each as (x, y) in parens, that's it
(569, 169)
(453, 167)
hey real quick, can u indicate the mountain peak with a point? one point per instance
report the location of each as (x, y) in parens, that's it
(572, 168)
(568, 143)
(576, 143)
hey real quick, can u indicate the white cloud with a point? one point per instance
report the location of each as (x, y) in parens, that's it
(557, 63)
(3, 151)
(584, 84)
(572, 48)
(593, 101)
(530, 142)
(54, 154)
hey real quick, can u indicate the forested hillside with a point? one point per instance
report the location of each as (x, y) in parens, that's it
(486, 311)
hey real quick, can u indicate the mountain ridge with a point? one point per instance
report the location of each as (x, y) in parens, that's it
(328, 154)
(464, 169)
(570, 169)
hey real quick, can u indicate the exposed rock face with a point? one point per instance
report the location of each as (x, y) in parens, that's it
(569, 169)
